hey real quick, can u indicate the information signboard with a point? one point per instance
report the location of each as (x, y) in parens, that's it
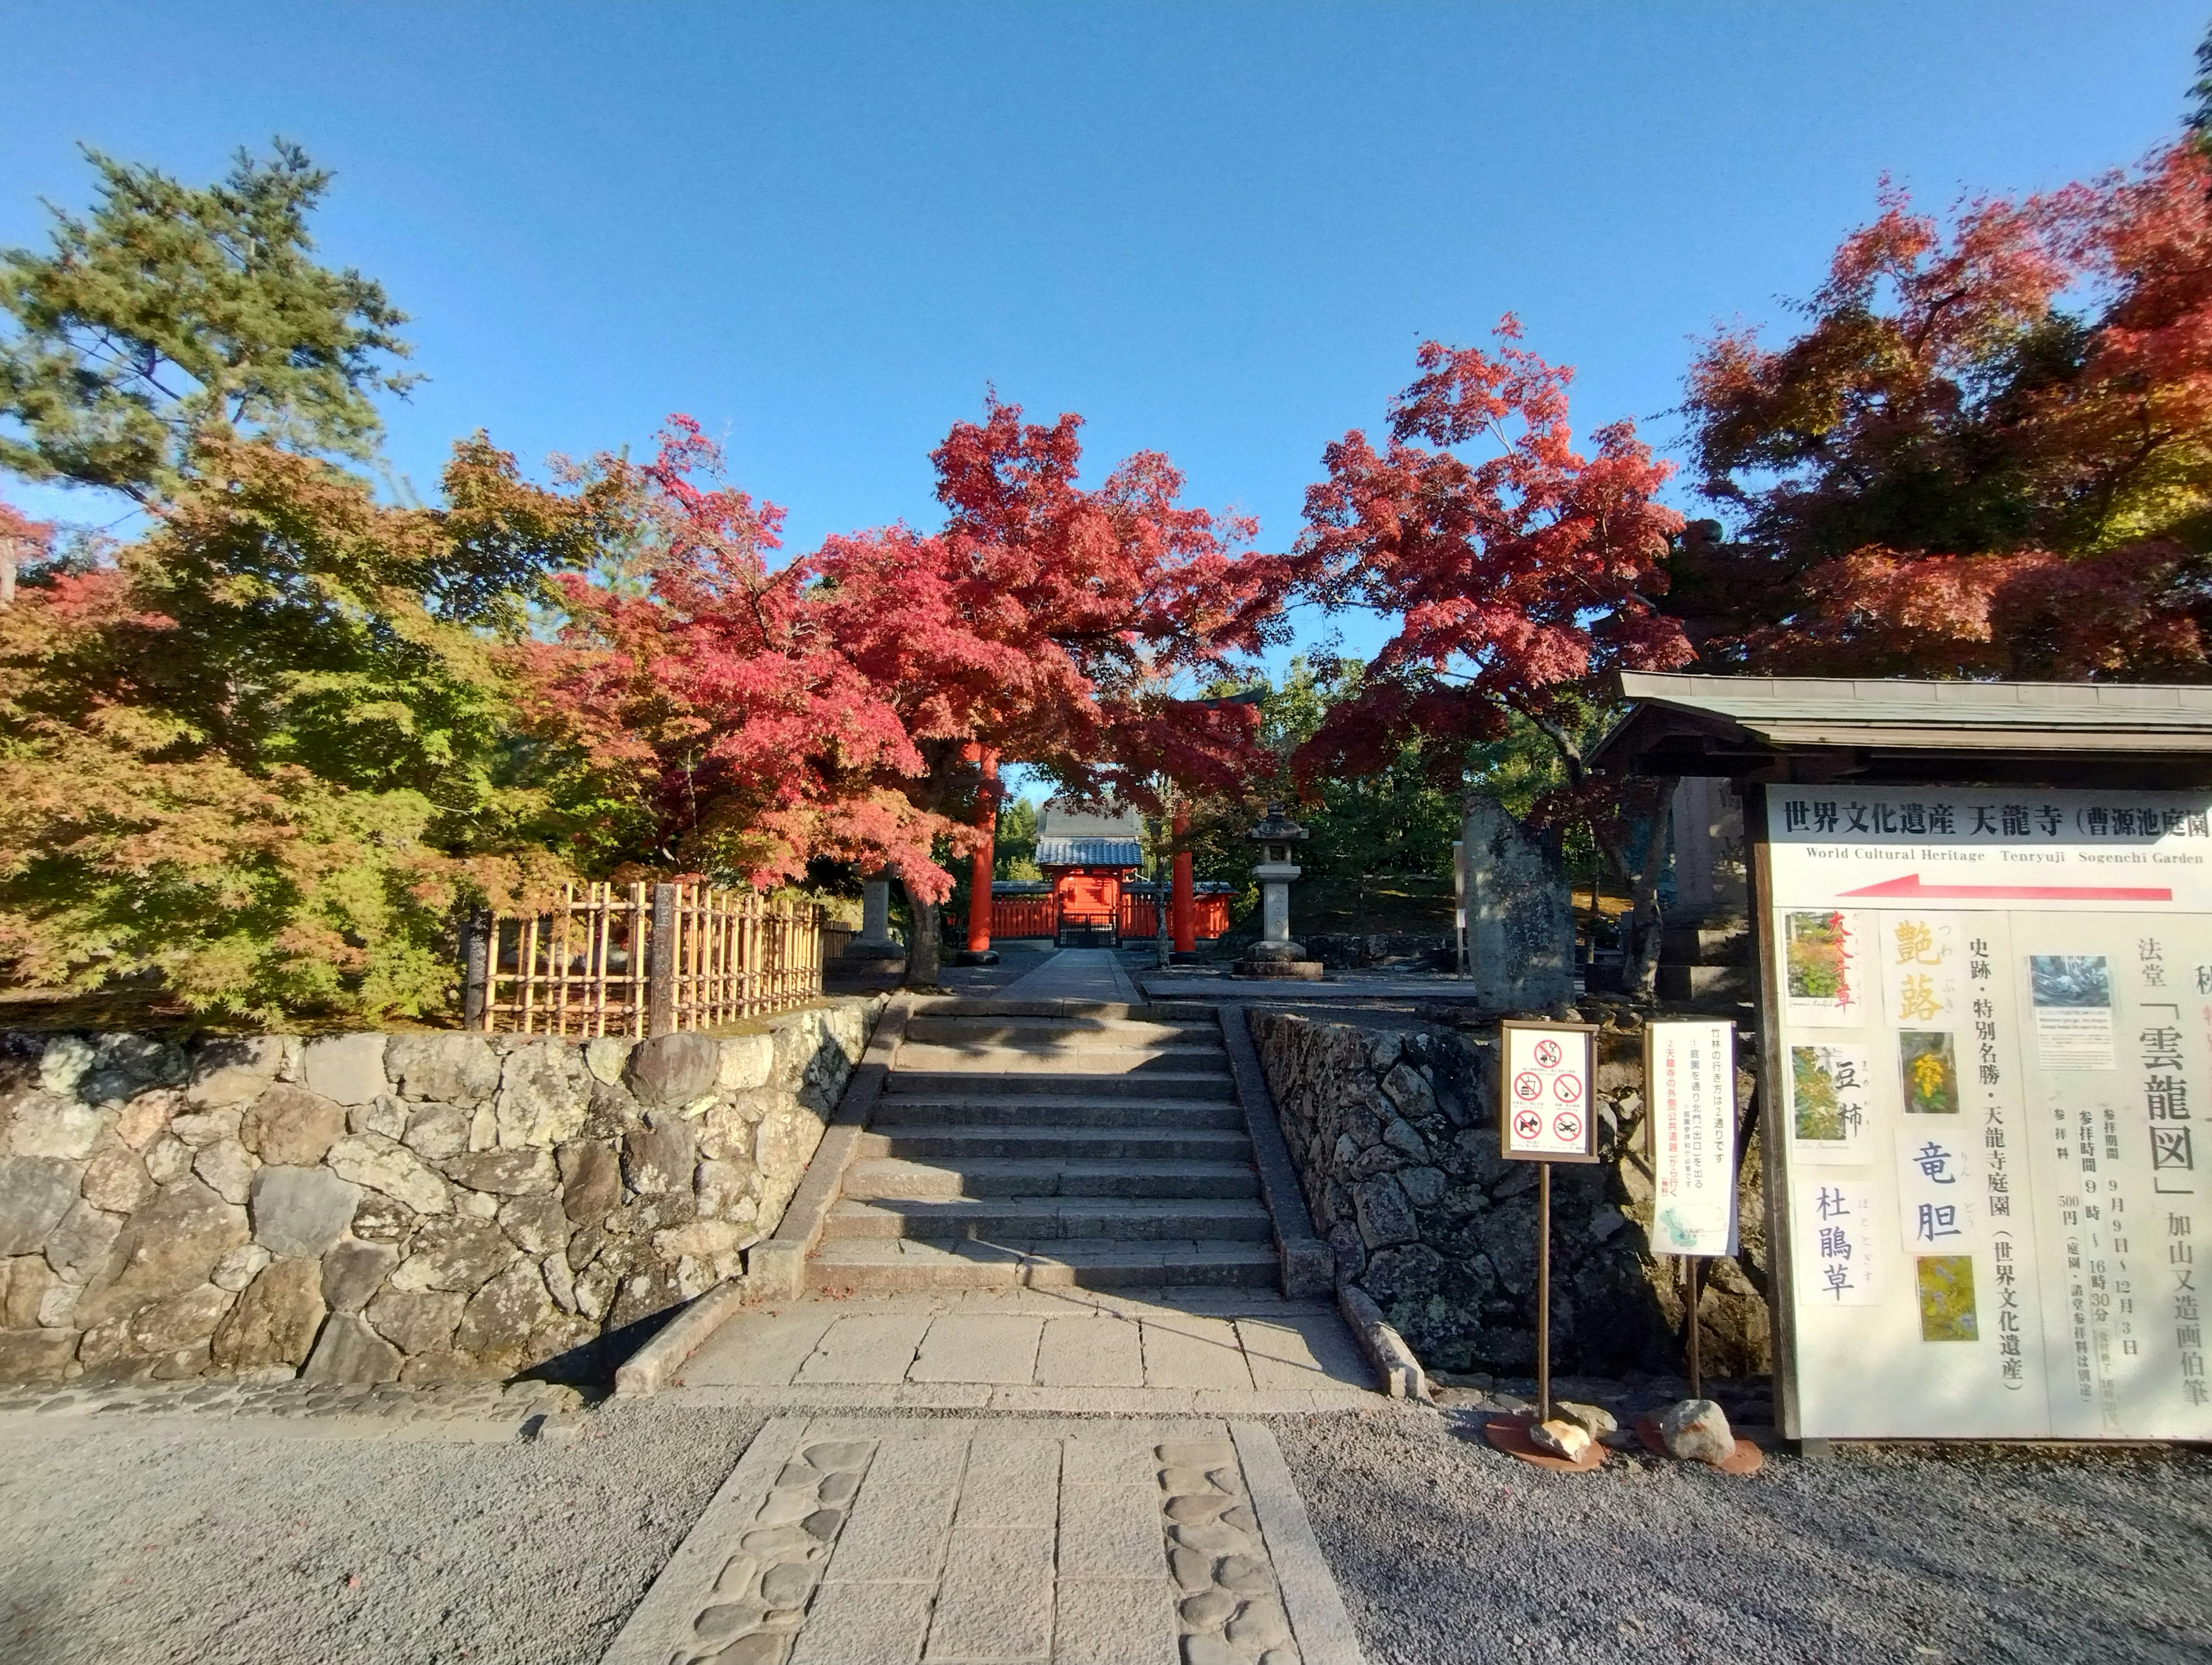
(1689, 1081)
(1544, 1093)
(1992, 1029)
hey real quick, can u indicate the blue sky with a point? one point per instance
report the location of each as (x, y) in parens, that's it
(1216, 230)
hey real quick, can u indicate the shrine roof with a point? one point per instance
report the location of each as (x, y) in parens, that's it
(1088, 853)
(1870, 729)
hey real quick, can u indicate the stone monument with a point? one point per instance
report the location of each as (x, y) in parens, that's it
(1275, 955)
(875, 941)
(1520, 916)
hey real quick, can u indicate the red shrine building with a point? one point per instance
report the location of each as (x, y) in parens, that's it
(1090, 896)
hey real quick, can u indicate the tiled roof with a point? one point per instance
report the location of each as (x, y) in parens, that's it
(1088, 853)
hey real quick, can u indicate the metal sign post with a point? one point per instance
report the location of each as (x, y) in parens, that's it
(1689, 1085)
(1545, 1115)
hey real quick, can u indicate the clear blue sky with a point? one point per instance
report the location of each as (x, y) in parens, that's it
(1219, 231)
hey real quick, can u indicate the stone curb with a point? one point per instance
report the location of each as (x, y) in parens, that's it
(777, 1270)
(1309, 1266)
(1400, 1371)
(651, 1367)
(1323, 1629)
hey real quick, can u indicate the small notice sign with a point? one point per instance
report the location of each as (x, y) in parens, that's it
(1689, 1075)
(1545, 1108)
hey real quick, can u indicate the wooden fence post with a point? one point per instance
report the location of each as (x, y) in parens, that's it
(660, 965)
(476, 970)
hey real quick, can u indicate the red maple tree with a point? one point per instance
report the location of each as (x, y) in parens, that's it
(1520, 576)
(721, 722)
(1989, 452)
(1052, 625)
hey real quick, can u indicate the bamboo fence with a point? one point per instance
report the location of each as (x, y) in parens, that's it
(644, 959)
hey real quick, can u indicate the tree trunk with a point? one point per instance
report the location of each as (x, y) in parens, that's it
(1645, 922)
(925, 943)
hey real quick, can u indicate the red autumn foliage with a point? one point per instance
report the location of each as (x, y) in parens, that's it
(732, 731)
(1522, 574)
(1989, 454)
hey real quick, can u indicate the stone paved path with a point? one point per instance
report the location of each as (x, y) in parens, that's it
(1223, 1351)
(949, 1541)
(1076, 973)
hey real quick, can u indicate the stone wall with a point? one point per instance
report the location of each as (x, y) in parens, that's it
(1394, 1132)
(366, 1207)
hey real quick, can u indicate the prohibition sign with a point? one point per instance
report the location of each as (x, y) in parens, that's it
(1528, 1124)
(1549, 1054)
(1527, 1084)
(1569, 1088)
(1567, 1126)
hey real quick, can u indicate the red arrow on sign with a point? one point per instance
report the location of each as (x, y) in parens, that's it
(1910, 885)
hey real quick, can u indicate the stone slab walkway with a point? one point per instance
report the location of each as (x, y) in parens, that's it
(1075, 974)
(1228, 1352)
(845, 1540)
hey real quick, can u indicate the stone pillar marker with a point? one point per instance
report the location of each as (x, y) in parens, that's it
(1275, 955)
(875, 941)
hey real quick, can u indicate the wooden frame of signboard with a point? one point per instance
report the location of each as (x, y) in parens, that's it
(1773, 1159)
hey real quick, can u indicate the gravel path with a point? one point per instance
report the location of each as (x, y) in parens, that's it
(220, 1544)
(1448, 1551)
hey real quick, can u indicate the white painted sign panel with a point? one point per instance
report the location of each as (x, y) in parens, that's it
(1545, 1108)
(1994, 1036)
(1690, 1087)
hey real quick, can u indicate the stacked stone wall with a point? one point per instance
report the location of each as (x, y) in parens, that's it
(372, 1207)
(1394, 1132)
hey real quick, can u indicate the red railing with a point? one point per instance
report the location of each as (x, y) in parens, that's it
(1023, 916)
(1039, 916)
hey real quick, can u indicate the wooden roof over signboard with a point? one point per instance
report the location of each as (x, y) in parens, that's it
(1873, 729)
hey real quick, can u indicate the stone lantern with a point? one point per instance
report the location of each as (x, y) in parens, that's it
(1275, 955)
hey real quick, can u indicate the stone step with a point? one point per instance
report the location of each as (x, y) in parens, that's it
(1040, 1087)
(896, 1266)
(1056, 1061)
(878, 1179)
(1704, 982)
(958, 1106)
(960, 1143)
(1066, 1034)
(1001, 1219)
(1705, 944)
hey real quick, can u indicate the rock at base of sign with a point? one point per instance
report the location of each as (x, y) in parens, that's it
(1593, 1420)
(1560, 1437)
(1697, 1430)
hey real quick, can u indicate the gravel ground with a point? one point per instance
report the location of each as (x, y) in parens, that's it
(1448, 1551)
(120, 1546)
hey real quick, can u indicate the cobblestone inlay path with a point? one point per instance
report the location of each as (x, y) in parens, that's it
(855, 1542)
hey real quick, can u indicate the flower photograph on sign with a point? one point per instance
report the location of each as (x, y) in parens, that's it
(1828, 1095)
(1928, 1069)
(1947, 1298)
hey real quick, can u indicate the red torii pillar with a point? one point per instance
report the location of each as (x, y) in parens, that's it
(979, 874)
(1186, 903)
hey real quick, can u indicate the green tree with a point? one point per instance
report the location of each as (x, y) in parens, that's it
(260, 759)
(172, 313)
(1014, 851)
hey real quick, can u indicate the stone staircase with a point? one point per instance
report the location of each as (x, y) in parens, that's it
(1050, 1146)
(1704, 963)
